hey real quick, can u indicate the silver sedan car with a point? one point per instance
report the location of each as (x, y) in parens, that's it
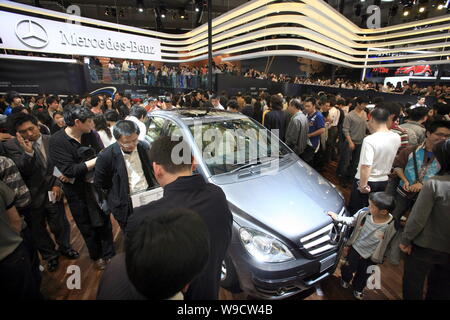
(283, 242)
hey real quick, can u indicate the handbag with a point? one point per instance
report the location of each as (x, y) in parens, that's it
(407, 194)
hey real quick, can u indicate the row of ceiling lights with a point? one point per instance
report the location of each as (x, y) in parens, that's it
(422, 6)
(162, 12)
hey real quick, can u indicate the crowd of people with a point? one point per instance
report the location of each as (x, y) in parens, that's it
(139, 73)
(92, 151)
(191, 77)
(396, 159)
(437, 91)
(96, 157)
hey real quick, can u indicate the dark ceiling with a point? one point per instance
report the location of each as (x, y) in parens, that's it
(127, 11)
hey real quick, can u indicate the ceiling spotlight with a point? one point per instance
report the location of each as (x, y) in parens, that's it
(162, 12)
(182, 14)
(140, 5)
(197, 9)
(440, 7)
(405, 13)
(422, 9)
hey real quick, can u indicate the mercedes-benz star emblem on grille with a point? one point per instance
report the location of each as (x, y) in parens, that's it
(31, 34)
(334, 235)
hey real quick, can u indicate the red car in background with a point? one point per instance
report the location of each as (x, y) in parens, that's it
(415, 70)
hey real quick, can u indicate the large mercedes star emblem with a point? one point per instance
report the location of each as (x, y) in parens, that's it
(334, 235)
(31, 34)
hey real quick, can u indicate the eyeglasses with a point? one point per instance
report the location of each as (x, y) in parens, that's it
(129, 144)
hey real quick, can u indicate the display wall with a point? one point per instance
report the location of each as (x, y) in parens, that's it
(37, 77)
(41, 77)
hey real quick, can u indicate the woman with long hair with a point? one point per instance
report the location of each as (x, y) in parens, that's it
(101, 126)
(108, 105)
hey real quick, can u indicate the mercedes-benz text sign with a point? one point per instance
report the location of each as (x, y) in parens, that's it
(21, 32)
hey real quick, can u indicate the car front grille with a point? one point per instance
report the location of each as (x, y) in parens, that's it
(322, 240)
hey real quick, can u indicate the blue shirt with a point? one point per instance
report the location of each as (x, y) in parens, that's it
(7, 111)
(429, 169)
(316, 121)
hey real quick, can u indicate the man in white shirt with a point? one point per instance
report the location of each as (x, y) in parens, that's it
(420, 103)
(138, 115)
(123, 169)
(125, 71)
(375, 162)
(215, 101)
(332, 120)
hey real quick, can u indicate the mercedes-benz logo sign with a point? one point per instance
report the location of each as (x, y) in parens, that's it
(31, 34)
(335, 235)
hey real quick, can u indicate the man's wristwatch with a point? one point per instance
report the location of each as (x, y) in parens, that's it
(364, 189)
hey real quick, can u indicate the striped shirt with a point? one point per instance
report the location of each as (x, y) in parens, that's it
(404, 138)
(10, 175)
(371, 233)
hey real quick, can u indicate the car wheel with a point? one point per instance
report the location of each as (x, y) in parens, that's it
(427, 74)
(228, 276)
(411, 73)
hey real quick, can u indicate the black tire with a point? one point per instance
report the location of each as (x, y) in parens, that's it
(231, 281)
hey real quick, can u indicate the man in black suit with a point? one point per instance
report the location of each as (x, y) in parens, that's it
(123, 169)
(73, 150)
(30, 152)
(187, 191)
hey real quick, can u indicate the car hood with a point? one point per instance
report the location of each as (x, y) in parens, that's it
(293, 202)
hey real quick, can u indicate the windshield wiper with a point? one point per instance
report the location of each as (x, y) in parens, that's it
(245, 166)
(258, 162)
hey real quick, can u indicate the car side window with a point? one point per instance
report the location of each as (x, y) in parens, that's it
(155, 128)
(173, 130)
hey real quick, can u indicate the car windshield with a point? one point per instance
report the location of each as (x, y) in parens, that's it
(230, 145)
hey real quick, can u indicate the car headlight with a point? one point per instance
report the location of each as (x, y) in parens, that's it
(263, 247)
